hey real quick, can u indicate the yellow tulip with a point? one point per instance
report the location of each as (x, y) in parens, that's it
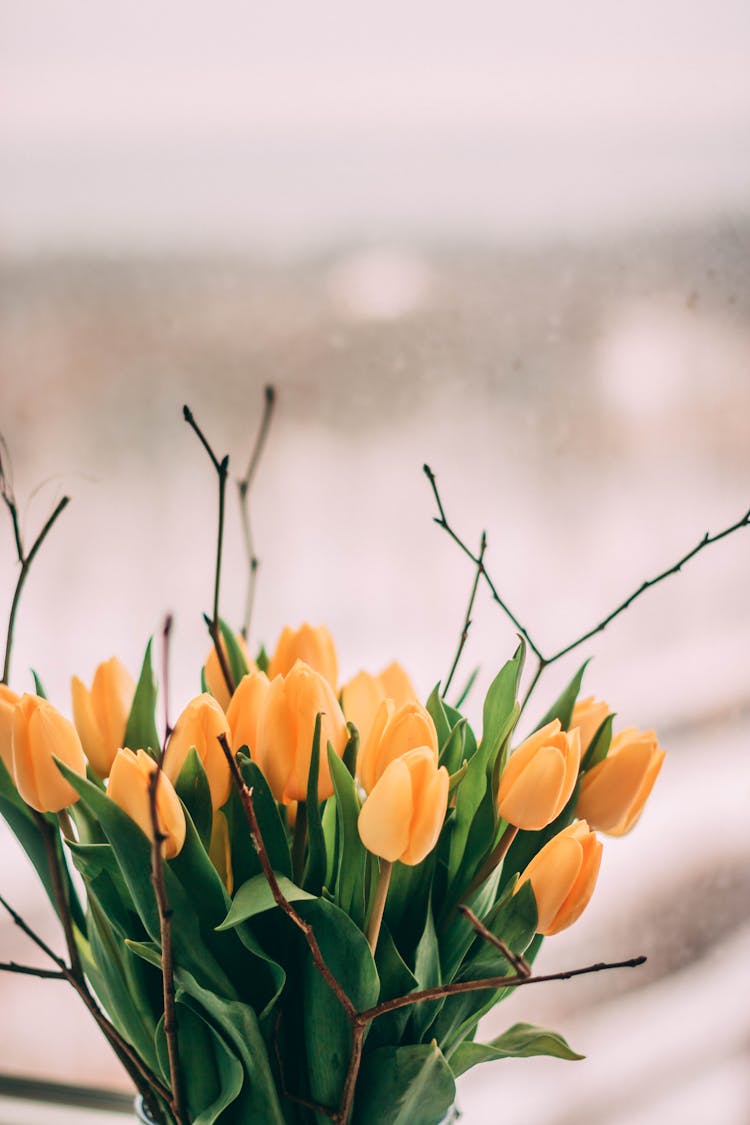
(588, 716)
(41, 733)
(394, 731)
(285, 733)
(129, 785)
(402, 817)
(245, 707)
(101, 715)
(8, 701)
(363, 694)
(563, 876)
(313, 645)
(539, 777)
(200, 725)
(614, 792)
(214, 676)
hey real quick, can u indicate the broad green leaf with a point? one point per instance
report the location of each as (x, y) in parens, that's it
(407, 903)
(453, 753)
(470, 739)
(404, 1086)
(562, 708)
(428, 975)
(193, 790)
(499, 704)
(211, 1074)
(141, 732)
(97, 863)
(458, 935)
(396, 979)
(520, 1042)
(436, 708)
(315, 871)
(351, 750)
(255, 896)
(599, 745)
(349, 882)
(329, 827)
(245, 862)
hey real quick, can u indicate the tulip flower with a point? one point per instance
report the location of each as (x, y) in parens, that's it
(539, 777)
(101, 715)
(402, 817)
(286, 727)
(363, 694)
(41, 734)
(312, 645)
(394, 731)
(614, 792)
(245, 707)
(563, 876)
(129, 787)
(214, 675)
(588, 716)
(200, 725)
(8, 701)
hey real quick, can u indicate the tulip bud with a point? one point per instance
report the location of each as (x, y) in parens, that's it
(314, 646)
(614, 792)
(394, 731)
(539, 777)
(41, 733)
(402, 817)
(563, 876)
(588, 716)
(200, 725)
(129, 785)
(214, 675)
(245, 707)
(363, 694)
(8, 701)
(286, 728)
(101, 715)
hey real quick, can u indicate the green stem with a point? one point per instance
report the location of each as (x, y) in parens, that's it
(495, 858)
(378, 904)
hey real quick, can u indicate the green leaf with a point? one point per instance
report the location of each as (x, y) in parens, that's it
(396, 979)
(599, 746)
(272, 830)
(562, 708)
(262, 660)
(141, 732)
(238, 666)
(453, 753)
(436, 708)
(211, 1075)
(349, 878)
(193, 790)
(38, 685)
(255, 896)
(428, 975)
(315, 871)
(351, 750)
(499, 704)
(404, 1086)
(520, 1042)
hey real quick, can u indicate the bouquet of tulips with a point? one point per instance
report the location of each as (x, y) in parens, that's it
(298, 902)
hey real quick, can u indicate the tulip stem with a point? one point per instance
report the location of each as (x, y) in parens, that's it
(496, 857)
(467, 619)
(243, 487)
(299, 843)
(66, 825)
(378, 904)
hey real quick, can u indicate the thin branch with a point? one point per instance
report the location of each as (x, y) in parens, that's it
(489, 984)
(442, 521)
(26, 561)
(8, 495)
(541, 665)
(243, 487)
(31, 971)
(222, 469)
(467, 618)
(165, 933)
(519, 963)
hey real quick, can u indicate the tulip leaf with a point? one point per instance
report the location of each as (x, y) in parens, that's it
(327, 1029)
(262, 660)
(255, 896)
(408, 901)
(211, 1074)
(315, 871)
(141, 732)
(452, 753)
(470, 739)
(396, 979)
(458, 935)
(238, 666)
(436, 709)
(599, 745)
(329, 827)
(38, 685)
(193, 790)
(101, 873)
(562, 708)
(349, 878)
(404, 1086)
(428, 974)
(351, 750)
(520, 1042)
(245, 862)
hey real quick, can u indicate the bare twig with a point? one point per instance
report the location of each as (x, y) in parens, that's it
(467, 618)
(222, 469)
(243, 487)
(165, 933)
(31, 971)
(519, 963)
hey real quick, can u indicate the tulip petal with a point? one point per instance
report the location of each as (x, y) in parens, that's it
(534, 796)
(553, 872)
(386, 814)
(430, 807)
(582, 889)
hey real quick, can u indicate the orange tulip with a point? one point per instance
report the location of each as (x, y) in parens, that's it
(363, 694)
(8, 701)
(101, 715)
(588, 716)
(245, 707)
(40, 734)
(563, 876)
(129, 787)
(539, 777)
(214, 676)
(286, 727)
(394, 731)
(200, 725)
(402, 817)
(614, 792)
(313, 645)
